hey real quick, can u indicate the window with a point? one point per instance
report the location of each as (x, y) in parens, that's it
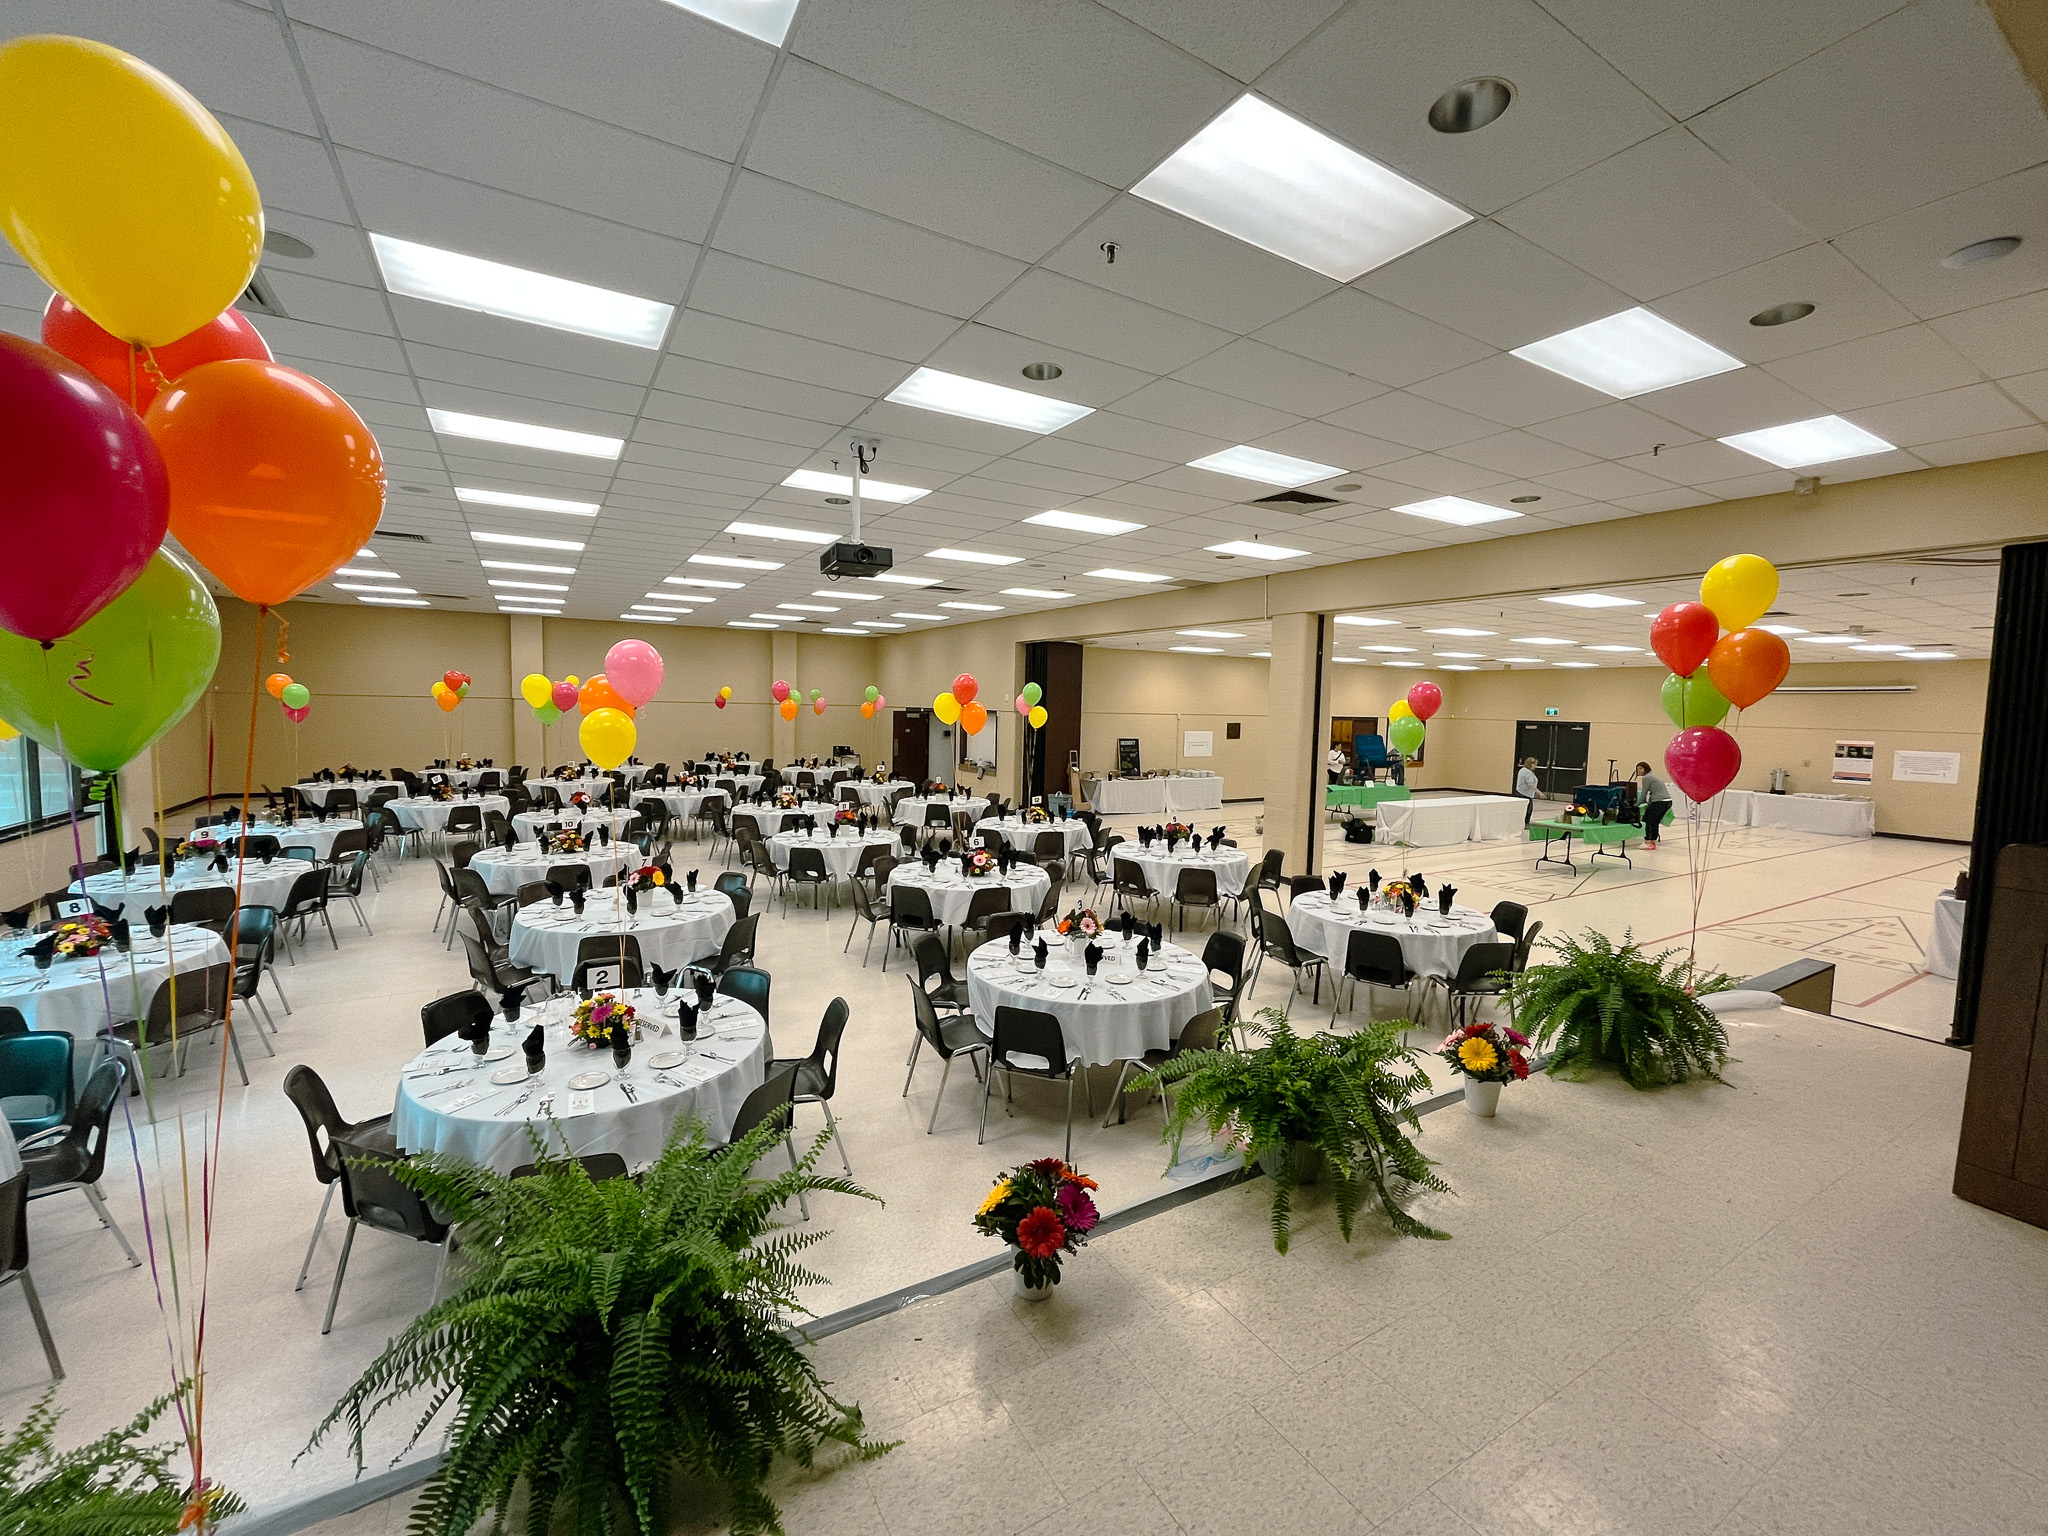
(33, 788)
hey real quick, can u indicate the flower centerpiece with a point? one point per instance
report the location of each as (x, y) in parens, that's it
(648, 877)
(1399, 896)
(565, 773)
(1486, 1055)
(846, 816)
(569, 840)
(580, 801)
(80, 937)
(1036, 814)
(1178, 830)
(198, 846)
(1043, 1211)
(977, 861)
(880, 775)
(787, 800)
(465, 762)
(594, 1020)
(936, 787)
(444, 789)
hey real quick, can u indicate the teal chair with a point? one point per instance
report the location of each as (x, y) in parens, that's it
(35, 1081)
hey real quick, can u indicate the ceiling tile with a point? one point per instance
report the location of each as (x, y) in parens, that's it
(735, 449)
(1433, 472)
(1732, 402)
(1401, 417)
(1174, 404)
(1505, 389)
(982, 438)
(983, 352)
(1371, 84)
(1324, 443)
(1063, 451)
(1519, 453)
(1664, 215)
(1693, 463)
(327, 303)
(2004, 338)
(1765, 482)
(1846, 303)
(740, 345)
(739, 386)
(1251, 370)
(324, 343)
(1673, 500)
(1617, 430)
(1489, 282)
(1131, 434)
(1990, 445)
(488, 336)
(231, 56)
(1049, 307)
(2031, 390)
(807, 306)
(1893, 365)
(1603, 482)
(1904, 252)
(717, 415)
(292, 171)
(1241, 40)
(1919, 105)
(1967, 412)
(1361, 334)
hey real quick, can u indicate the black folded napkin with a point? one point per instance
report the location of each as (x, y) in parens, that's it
(1092, 957)
(704, 986)
(478, 1034)
(1444, 893)
(266, 856)
(576, 897)
(945, 847)
(1038, 953)
(663, 980)
(129, 860)
(1408, 903)
(509, 1004)
(1130, 922)
(686, 1020)
(931, 861)
(1003, 859)
(219, 864)
(1144, 837)
(632, 900)
(43, 951)
(158, 918)
(556, 891)
(622, 1046)
(692, 878)
(1016, 939)
(535, 1047)
(1144, 952)
(1336, 885)
(122, 937)
(105, 914)
(1420, 886)
(18, 918)
(1157, 933)
(230, 816)
(604, 836)
(1172, 841)
(320, 813)
(1372, 879)
(1364, 898)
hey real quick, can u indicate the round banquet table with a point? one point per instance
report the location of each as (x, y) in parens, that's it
(316, 835)
(316, 794)
(463, 778)
(1431, 944)
(464, 1113)
(1024, 834)
(504, 870)
(910, 809)
(428, 815)
(596, 787)
(1162, 869)
(842, 853)
(745, 783)
(952, 892)
(769, 820)
(713, 766)
(683, 802)
(68, 998)
(872, 793)
(527, 824)
(263, 885)
(1117, 1017)
(545, 937)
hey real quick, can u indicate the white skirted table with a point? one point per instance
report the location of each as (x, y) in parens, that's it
(1431, 943)
(744, 783)
(952, 892)
(527, 825)
(546, 937)
(872, 793)
(1945, 948)
(317, 793)
(1117, 1016)
(1156, 796)
(1440, 820)
(1829, 815)
(504, 870)
(431, 816)
(910, 810)
(467, 1113)
(1024, 834)
(770, 819)
(303, 833)
(263, 885)
(842, 853)
(1162, 869)
(72, 996)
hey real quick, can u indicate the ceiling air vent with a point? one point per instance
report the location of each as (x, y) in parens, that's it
(949, 590)
(1294, 501)
(408, 538)
(261, 297)
(449, 597)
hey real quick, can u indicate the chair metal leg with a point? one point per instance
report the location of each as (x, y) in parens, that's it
(839, 1135)
(348, 1241)
(1070, 1115)
(314, 1241)
(268, 1048)
(329, 922)
(35, 1310)
(987, 1084)
(235, 1045)
(916, 1044)
(801, 1203)
(940, 1098)
(1116, 1097)
(99, 1209)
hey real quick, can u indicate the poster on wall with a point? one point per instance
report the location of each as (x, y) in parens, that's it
(1928, 767)
(1855, 761)
(1198, 744)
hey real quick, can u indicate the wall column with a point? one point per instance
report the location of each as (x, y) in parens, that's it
(526, 655)
(784, 665)
(1298, 737)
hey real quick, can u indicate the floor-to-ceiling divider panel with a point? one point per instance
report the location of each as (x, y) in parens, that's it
(1055, 665)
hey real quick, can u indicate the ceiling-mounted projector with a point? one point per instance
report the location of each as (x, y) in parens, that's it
(854, 560)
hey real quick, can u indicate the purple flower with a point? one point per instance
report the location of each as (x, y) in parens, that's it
(1076, 1209)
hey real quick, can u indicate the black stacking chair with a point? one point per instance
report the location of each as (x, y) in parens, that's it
(1032, 1043)
(807, 867)
(372, 1198)
(817, 1075)
(446, 1015)
(1198, 1034)
(738, 948)
(1304, 885)
(209, 906)
(1376, 960)
(955, 1035)
(910, 911)
(934, 960)
(1509, 918)
(1195, 888)
(256, 957)
(734, 887)
(1271, 933)
(14, 1262)
(1224, 955)
(308, 898)
(74, 1155)
(1483, 971)
(864, 909)
(773, 1103)
(324, 1126)
(608, 950)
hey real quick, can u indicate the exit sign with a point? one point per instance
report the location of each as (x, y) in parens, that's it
(1551, 710)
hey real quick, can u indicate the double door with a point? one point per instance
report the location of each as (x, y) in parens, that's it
(1559, 747)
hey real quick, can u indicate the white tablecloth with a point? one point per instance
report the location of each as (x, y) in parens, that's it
(738, 765)
(745, 783)
(1024, 834)
(1434, 822)
(952, 892)
(683, 802)
(10, 1153)
(316, 794)
(263, 885)
(1945, 949)
(1162, 870)
(1432, 943)
(596, 787)
(910, 809)
(464, 778)
(769, 819)
(872, 793)
(725, 1064)
(545, 937)
(432, 815)
(1120, 1017)
(842, 853)
(504, 870)
(1853, 816)
(527, 824)
(68, 996)
(1155, 797)
(305, 833)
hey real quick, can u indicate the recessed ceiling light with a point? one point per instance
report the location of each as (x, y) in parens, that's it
(861, 632)
(538, 586)
(1253, 549)
(1211, 634)
(513, 293)
(842, 485)
(976, 607)
(1471, 104)
(1246, 463)
(1459, 666)
(1083, 522)
(1593, 600)
(1628, 354)
(703, 581)
(350, 570)
(657, 608)
(1469, 634)
(1041, 373)
(521, 565)
(1782, 314)
(1927, 655)
(522, 434)
(1780, 629)
(1365, 621)
(1541, 640)
(1457, 510)
(278, 243)
(767, 20)
(1463, 655)
(875, 624)
(737, 562)
(937, 617)
(1270, 180)
(1390, 650)
(973, 557)
(1198, 650)
(746, 624)
(1628, 650)
(1820, 440)
(772, 531)
(352, 586)
(952, 394)
(397, 602)
(1258, 653)
(1830, 639)
(896, 580)
(1111, 573)
(808, 607)
(1880, 648)
(1044, 592)
(1522, 501)
(1981, 251)
(1521, 658)
(522, 541)
(1575, 663)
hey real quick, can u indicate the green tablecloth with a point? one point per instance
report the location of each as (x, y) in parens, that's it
(1363, 794)
(1584, 831)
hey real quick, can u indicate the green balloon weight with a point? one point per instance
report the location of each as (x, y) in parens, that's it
(1033, 693)
(547, 712)
(295, 696)
(118, 682)
(1693, 701)
(1406, 734)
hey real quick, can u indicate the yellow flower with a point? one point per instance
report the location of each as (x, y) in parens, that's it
(1478, 1055)
(995, 1198)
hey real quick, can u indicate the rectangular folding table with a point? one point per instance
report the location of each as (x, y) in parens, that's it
(1596, 834)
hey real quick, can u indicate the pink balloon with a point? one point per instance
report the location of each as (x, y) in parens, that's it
(565, 696)
(1703, 761)
(297, 716)
(1023, 705)
(881, 701)
(817, 706)
(1425, 699)
(634, 669)
(87, 499)
(778, 690)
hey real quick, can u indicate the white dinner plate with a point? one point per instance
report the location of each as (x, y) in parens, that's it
(500, 1052)
(1061, 981)
(516, 1073)
(583, 1081)
(661, 1060)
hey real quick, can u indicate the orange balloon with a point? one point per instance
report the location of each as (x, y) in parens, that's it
(275, 482)
(447, 699)
(600, 694)
(972, 717)
(276, 683)
(787, 708)
(867, 710)
(1747, 665)
(67, 329)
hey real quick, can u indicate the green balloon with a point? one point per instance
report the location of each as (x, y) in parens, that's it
(462, 692)
(547, 712)
(1406, 734)
(1692, 701)
(817, 694)
(118, 682)
(295, 696)
(1033, 693)
(873, 693)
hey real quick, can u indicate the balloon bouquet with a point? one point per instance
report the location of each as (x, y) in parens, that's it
(1407, 718)
(873, 704)
(606, 703)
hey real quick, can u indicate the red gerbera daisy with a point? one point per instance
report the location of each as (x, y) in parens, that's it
(1042, 1233)
(1519, 1063)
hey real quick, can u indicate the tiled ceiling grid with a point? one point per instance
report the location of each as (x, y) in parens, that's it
(910, 182)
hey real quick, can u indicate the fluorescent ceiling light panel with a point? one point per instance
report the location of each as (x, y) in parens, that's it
(1821, 440)
(538, 586)
(1780, 629)
(1272, 181)
(472, 496)
(1458, 666)
(513, 293)
(783, 618)
(736, 562)
(1829, 639)
(521, 565)
(1593, 600)
(1044, 592)
(830, 631)
(1628, 354)
(1266, 468)
(1198, 650)
(772, 531)
(1111, 573)
(1349, 661)
(1458, 510)
(522, 541)
(896, 580)
(1260, 653)
(936, 617)
(703, 581)
(1633, 650)
(1575, 663)
(1462, 655)
(973, 557)
(953, 395)
(744, 624)
(975, 607)
(767, 20)
(355, 586)
(1542, 640)
(644, 618)
(1927, 655)
(1524, 659)
(1469, 634)
(851, 597)
(876, 624)
(808, 607)
(532, 613)
(1210, 634)
(842, 485)
(350, 570)
(397, 602)
(655, 608)
(1363, 621)
(680, 597)
(1083, 522)
(1390, 650)
(523, 434)
(1254, 550)
(1883, 649)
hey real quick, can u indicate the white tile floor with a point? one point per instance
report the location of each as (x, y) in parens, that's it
(1706, 1309)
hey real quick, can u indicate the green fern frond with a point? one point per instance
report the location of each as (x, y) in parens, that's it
(1601, 1003)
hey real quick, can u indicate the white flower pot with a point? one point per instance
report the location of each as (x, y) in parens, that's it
(1481, 1098)
(1023, 1289)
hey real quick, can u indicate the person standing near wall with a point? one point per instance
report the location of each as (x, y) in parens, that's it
(1654, 795)
(1525, 786)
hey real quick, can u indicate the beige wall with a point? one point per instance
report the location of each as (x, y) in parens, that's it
(1158, 697)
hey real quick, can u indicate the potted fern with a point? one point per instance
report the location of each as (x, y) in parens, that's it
(608, 1336)
(117, 1484)
(1613, 1004)
(1300, 1106)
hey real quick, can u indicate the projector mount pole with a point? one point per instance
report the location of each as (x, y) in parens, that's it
(864, 450)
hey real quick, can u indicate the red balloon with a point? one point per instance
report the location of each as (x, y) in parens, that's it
(67, 329)
(86, 498)
(297, 716)
(1682, 635)
(565, 696)
(1425, 699)
(454, 679)
(964, 689)
(1703, 761)
(718, 700)
(1747, 665)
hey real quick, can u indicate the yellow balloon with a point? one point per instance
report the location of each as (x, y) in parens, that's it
(947, 708)
(1740, 590)
(1399, 710)
(573, 680)
(725, 693)
(536, 689)
(438, 689)
(1038, 716)
(7, 732)
(608, 737)
(121, 190)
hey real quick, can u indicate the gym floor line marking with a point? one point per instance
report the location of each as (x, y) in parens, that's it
(1797, 901)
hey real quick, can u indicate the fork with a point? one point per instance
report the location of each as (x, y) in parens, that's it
(519, 1101)
(627, 1089)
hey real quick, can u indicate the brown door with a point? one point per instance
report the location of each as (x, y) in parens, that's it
(909, 744)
